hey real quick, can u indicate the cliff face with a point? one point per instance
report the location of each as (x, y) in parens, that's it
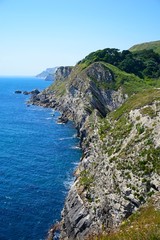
(82, 92)
(62, 72)
(119, 169)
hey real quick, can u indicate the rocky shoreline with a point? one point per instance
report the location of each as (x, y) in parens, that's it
(110, 182)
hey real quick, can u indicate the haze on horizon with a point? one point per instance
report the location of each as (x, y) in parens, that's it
(38, 34)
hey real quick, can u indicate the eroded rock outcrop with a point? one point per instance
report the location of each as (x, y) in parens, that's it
(119, 169)
(62, 72)
(116, 174)
(78, 92)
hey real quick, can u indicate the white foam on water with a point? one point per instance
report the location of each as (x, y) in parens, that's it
(65, 138)
(7, 197)
(75, 147)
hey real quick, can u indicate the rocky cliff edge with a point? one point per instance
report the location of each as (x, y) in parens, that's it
(120, 166)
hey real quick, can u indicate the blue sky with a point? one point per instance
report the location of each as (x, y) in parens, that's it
(36, 34)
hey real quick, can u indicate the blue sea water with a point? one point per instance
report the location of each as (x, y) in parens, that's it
(37, 160)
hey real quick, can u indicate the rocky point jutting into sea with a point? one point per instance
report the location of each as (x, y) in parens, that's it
(117, 117)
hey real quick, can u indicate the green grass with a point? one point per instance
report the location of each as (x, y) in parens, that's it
(155, 45)
(148, 111)
(130, 83)
(86, 179)
(122, 79)
(153, 159)
(104, 127)
(138, 100)
(59, 88)
(141, 225)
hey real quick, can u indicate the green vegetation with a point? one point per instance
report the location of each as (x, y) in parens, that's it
(140, 128)
(85, 179)
(145, 97)
(104, 127)
(148, 111)
(145, 162)
(133, 71)
(142, 225)
(132, 153)
(116, 127)
(144, 63)
(117, 131)
(59, 88)
(151, 162)
(155, 45)
(131, 83)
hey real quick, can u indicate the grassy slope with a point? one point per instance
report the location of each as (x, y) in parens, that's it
(131, 83)
(142, 225)
(155, 45)
(145, 97)
(145, 223)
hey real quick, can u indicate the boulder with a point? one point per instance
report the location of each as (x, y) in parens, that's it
(18, 91)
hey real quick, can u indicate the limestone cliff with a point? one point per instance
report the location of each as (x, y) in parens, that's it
(120, 166)
(62, 72)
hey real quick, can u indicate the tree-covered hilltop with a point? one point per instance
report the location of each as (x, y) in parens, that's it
(144, 63)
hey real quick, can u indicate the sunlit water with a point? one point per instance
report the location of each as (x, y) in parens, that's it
(37, 159)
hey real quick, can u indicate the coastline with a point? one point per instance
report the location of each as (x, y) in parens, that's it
(35, 172)
(106, 191)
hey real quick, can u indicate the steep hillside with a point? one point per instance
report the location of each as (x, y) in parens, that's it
(119, 170)
(144, 224)
(117, 116)
(155, 45)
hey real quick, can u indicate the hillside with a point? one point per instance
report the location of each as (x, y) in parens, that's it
(155, 45)
(117, 117)
(144, 64)
(142, 225)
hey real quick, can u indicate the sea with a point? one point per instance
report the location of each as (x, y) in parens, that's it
(37, 159)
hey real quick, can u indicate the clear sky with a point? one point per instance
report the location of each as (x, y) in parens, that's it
(36, 34)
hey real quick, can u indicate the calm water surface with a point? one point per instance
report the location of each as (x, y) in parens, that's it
(37, 159)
